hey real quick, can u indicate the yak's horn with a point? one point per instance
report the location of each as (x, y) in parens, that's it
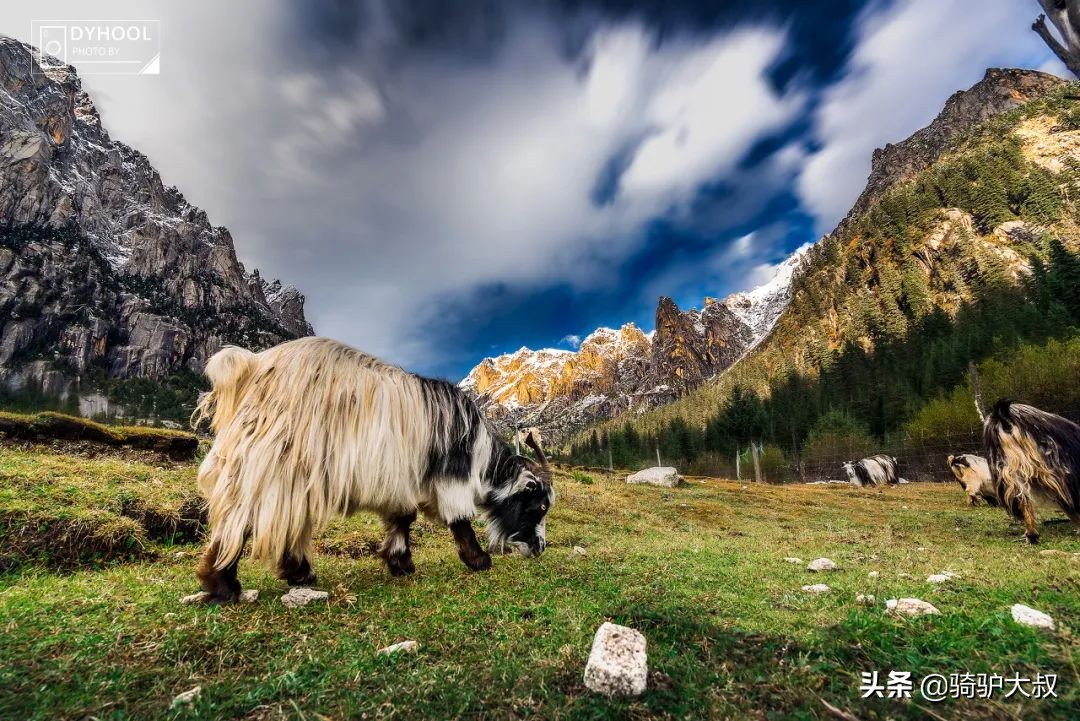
(531, 442)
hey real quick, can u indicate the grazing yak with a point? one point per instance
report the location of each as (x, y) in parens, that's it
(313, 429)
(1033, 455)
(872, 471)
(973, 474)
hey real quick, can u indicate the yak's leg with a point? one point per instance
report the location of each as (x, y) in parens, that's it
(395, 547)
(469, 550)
(456, 504)
(295, 569)
(1027, 508)
(222, 584)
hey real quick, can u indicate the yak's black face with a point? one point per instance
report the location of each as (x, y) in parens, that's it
(517, 513)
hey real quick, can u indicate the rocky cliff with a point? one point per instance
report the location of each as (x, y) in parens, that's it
(615, 371)
(104, 268)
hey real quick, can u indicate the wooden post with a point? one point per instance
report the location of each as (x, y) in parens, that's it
(738, 468)
(755, 454)
(609, 466)
(658, 463)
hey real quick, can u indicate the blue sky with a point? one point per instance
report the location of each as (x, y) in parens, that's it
(449, 180)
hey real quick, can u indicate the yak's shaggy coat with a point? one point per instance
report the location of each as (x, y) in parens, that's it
(1033, 454)
(973, 474)
(313, 429)
(872, 471)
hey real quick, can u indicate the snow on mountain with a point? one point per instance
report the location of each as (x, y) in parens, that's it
(618, 370)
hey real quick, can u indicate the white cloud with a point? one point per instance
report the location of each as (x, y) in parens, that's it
(571, 340)
(910, 57)
(379, 188)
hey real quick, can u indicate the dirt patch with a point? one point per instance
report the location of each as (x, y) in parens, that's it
(69, 542)
(184, 525)
(48, 427)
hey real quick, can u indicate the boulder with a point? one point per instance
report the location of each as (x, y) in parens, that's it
(817, 588)
(617, 665)
(665, 476)
(402, 646)
(1027, 616)
(821, 564)
(185, 698)
(302, 596)
(910, 607)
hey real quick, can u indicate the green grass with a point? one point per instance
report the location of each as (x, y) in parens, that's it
(59, 426)
(698, 569)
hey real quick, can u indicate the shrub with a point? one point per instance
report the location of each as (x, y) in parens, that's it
(583, 478)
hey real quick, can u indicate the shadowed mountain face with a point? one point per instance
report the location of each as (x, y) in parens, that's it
(690, 348)
(104, 268)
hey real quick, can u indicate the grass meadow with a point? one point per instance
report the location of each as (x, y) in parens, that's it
(96, 551)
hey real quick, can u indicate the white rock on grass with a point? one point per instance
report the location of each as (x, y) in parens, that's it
(579, 551)
(817, 588)
(302, 596)
(866, 599)
(821, 564)
(249, 596)
(793, 559)
(873, 574)
(618, 665)
(1028, 616)
(402, 646)
(910, 607)
(183, 699)
(938, 578)
(665, 476)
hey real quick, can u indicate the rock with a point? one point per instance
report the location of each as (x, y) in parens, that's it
(302, 596)
(1027, 616)
(866, 599)
(617, 665)
(185, 698)
(938, 578)
(921, 548)
(910, 607)
(579, 551)
(179, 554)
(872, 574)
(402, 646)
(817, 588)
(821, 564)
(118, 271)
(665, 476)
(1052, 552)
(249, 596)
(793, 559)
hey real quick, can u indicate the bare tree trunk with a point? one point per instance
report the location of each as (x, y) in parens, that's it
(1065, 16)
(977, 388)
(755, 453)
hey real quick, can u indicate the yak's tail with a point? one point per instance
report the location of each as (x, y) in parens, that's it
(228, 371)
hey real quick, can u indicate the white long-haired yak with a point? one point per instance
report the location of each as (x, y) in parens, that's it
(312, 429)
(1033, 454)
(972, 472)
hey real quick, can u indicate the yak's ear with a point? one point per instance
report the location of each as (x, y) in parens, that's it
(533, 443)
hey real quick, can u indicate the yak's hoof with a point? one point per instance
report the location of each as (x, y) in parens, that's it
(400, 565)
(480, 562)
(208, 599)
(305, 580)
(1032, 538)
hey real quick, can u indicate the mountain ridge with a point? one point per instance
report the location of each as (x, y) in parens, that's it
(104, 269)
